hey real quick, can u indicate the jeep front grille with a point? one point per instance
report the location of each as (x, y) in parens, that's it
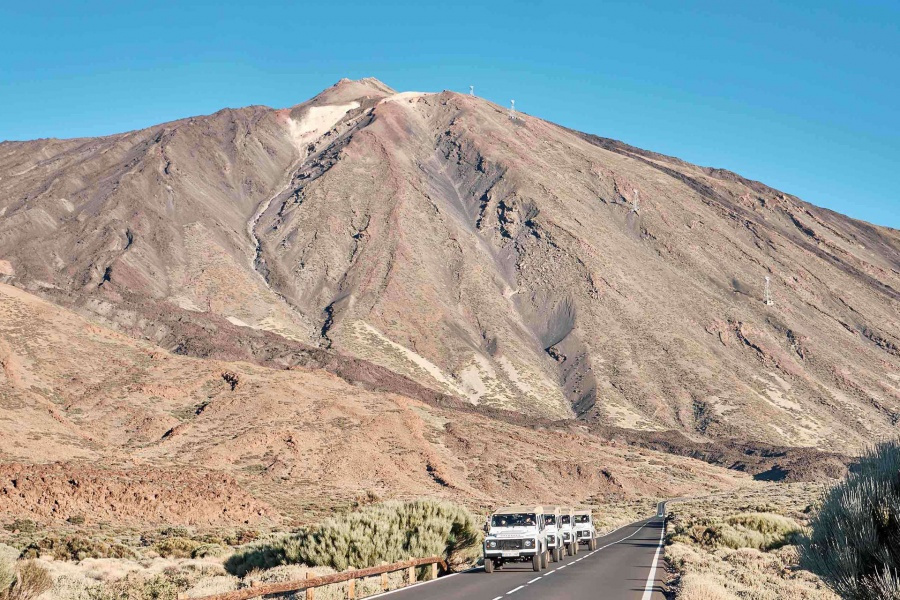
(509, 544)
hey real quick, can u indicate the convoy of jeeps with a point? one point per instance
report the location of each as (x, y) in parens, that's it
(536, 534)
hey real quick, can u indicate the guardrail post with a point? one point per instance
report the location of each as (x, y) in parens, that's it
(411, 578)
(384, 582)
(310, 592)
(351, 590)
(434, 570)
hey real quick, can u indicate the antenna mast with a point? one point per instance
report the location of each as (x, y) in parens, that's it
(471, 90)
(512, 110)
(768, 293)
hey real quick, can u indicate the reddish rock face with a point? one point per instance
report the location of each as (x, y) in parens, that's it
(497, 261)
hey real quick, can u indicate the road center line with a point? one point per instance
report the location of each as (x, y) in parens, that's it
(514, 590)
(533, 580)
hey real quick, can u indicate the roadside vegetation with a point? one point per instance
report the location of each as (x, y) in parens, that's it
(743, 545)
(160, 565)
(853, 541)
(377, 534)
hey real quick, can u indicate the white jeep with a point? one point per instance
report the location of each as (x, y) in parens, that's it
(584, 529)
(567, 530)
(516, 534)
(553, 533)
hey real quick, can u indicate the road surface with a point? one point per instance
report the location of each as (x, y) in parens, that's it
(625, 566)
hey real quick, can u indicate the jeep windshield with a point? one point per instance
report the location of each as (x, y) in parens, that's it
(582, 519)
(564, 519)
(514, 520)
(549, 519)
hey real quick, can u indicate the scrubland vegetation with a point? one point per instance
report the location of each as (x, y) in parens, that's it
(743, 545)
(159, 565)
(382, 533)
(854, 538)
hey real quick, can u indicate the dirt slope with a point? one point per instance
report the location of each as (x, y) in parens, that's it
(495, 260)
(95, 424)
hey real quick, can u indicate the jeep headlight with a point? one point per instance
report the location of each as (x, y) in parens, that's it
(492, 543)
(529, 543)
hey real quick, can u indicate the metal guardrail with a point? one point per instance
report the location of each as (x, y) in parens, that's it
(310, 583)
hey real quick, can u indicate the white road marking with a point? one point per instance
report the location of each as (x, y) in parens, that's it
(498, 598)
(533, 580)
(648, 589)
(403, 589)
(513, 591)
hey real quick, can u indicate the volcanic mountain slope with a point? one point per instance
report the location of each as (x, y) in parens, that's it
(96, 424)
(494, 259)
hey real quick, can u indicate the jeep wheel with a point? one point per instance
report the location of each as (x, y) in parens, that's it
(488, 565)
(575, 547)
(536, 562)
(593, 544)
(545, 559)
(560, 553)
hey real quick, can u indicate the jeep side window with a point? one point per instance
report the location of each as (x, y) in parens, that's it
(564, 519)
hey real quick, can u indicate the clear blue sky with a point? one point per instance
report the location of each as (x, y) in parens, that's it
(800, 95)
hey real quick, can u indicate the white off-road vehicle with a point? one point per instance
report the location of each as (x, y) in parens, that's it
(516, 534)
(584, 529)
(567, 530)
(553, 534)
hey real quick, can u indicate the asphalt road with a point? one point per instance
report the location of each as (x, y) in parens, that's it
(624, 566)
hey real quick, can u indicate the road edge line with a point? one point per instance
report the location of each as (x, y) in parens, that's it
(651, 578)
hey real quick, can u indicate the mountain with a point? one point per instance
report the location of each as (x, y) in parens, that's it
(97, 425)
(506, 263)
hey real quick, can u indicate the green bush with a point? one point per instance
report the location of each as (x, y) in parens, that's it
(177, 547)
(382, 533)
(209, 550)
(21, 526)
(75, 547)
(762, 531)
(853, 541)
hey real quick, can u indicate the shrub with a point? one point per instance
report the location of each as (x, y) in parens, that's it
(853, 541)
(133, 587)
(762, 531)
(75, 547)
(388, 532)
(176, 547)
(24, 580)
(21, 526)
(209, 550)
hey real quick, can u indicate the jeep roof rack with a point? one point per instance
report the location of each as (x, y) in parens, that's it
(511, 510)
(582, 511)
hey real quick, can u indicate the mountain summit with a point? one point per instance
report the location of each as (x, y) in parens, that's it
(509, 262)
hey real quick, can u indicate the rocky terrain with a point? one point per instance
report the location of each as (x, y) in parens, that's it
(98, 426)
(413, 293)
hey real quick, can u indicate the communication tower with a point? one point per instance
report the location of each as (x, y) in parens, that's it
(634, 202)
(768, 294)
(471, 90)
(512, 110)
